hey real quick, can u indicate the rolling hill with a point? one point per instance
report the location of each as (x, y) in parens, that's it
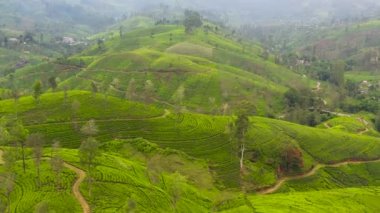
(155, 146)
(203, 71)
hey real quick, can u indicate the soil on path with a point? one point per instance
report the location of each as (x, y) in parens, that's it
(81, 177)
(1, 157)
(312, 172)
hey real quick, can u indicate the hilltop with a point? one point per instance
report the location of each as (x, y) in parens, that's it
(202, 71)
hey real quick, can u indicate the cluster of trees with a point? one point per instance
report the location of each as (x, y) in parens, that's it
(291, 161)
(304, 106)
(377, 122)
(192, 21)
(18, 139)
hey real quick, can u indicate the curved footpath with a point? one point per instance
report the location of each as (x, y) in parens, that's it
(1, 157)
(81, 176)
(312, 172)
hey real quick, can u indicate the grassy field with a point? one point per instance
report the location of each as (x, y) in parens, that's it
(360, 76)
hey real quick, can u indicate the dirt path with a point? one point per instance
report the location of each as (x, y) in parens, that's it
(318, 88)
(365, 123)
(312, 172)
(81, 176)
(1, 157)
(327, 125)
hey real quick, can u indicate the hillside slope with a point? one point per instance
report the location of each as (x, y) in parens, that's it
(197, 135)
(202, 71)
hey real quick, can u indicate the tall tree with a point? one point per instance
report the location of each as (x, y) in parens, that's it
(94, 88)
(4, 132)
(149, 90)
(56, 163)
(19, 135)
(131, 90)
(121, 32)
(179, 95)
(53, 83)
(337, 73)
(242, 123)
(89, 150)
(75, 107)
(377, 121)
(192, 21)
(37, 88)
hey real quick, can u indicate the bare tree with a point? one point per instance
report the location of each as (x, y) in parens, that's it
(131, 90)
(90, 129)
(56, 163)
(75, 107)
(36, 141)
(9, 158)
(89, 150)
(178, 96)
(149, 90)
(241, 127)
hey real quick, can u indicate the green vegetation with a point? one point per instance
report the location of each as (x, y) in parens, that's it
(203, 142)
(158, 114)
(216, 72)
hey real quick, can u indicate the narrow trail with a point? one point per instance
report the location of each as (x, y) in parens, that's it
(1, 157)
(312, 172)
(327, 125)
(318, 88)
(365, 123)
(364, 131)
(166, 114)
(361, 120)
(75, 189)
(81, 177)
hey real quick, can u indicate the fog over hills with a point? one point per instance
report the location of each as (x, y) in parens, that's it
(237, 11)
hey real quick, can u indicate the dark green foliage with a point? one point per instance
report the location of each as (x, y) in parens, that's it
(377, 122)
(37, 90)
(88, 152)
(337, 73)
(53, 83)
(242, 125)
(291, 160)
(192, 21)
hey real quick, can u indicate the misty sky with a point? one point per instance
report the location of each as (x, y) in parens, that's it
(237, 10)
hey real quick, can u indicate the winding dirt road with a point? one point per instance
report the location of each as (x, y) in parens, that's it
(312, 172)
(1, 157)
(81, 176)
(365, 123)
